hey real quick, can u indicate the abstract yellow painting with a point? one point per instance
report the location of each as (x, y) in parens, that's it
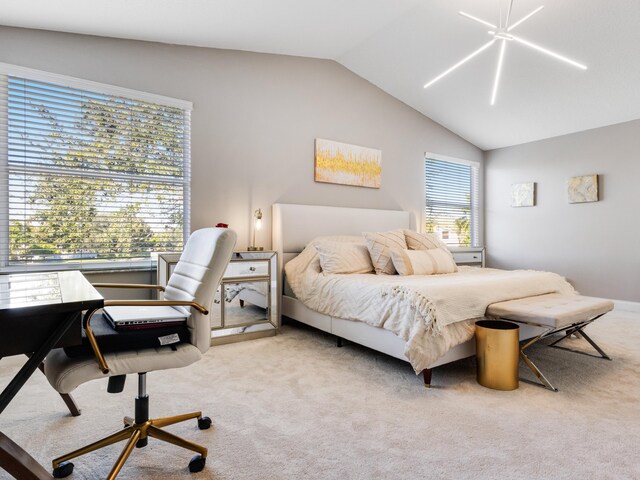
(345, 164)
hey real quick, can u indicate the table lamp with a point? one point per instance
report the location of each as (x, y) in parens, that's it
(257, 225)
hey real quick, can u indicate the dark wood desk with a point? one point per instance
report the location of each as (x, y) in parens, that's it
(38, 312)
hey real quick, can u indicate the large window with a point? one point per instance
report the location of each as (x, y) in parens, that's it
(451, 201)
(91, 176)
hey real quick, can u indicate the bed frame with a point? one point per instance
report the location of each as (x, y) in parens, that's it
(294, 226)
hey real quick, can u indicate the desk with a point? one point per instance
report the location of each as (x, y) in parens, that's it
(38, 312)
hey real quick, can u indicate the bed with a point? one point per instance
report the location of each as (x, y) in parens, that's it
(294, 226)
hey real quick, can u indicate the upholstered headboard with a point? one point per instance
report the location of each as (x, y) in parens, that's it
(294, 226)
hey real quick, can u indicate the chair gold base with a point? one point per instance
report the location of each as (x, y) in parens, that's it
(134, 433)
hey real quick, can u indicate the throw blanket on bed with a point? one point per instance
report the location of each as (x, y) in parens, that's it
(446, 299)
(431, 313)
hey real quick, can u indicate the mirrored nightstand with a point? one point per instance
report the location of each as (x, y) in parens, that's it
(246, 305)
(249, 300)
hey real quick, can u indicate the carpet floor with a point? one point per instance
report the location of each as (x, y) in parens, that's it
(296, 407)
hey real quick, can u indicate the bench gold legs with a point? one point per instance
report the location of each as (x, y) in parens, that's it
(532, 366)
(580, 332)
(577, 328)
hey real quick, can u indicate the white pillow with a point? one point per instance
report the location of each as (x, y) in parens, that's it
(422, 241)
(423, 262)
(338, 238)
(343, 257)
(380, 245)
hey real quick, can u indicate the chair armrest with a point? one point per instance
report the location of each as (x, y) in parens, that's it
(128, 285)
(155, 303)
(102, 364)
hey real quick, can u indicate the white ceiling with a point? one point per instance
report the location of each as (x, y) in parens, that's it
(399, 45)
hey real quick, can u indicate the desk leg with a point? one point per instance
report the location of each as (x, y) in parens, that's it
(18, 463)
(66, 398)
(13, 458)
(36, 359)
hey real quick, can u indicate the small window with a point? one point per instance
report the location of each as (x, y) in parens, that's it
(91, 176)
(451, 201)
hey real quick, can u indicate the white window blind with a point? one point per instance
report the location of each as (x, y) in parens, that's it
(451, 201)
(94, 177)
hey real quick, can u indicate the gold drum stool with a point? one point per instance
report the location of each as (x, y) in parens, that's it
(497, 352)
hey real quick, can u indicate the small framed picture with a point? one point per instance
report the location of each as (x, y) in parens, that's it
(523, 194)
(583, 189)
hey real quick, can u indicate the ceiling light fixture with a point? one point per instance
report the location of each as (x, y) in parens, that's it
(502, 34)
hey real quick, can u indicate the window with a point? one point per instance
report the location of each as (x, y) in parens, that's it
(451, 201)
(91, 176)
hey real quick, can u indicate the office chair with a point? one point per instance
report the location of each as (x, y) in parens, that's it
(193, 284)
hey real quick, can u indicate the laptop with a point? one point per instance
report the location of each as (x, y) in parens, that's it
(132, 317)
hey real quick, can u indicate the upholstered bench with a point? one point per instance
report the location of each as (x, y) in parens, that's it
(554, 313)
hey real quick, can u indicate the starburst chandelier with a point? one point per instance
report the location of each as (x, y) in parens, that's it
(501, 35)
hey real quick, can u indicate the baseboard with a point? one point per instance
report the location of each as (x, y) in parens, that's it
(627, 306)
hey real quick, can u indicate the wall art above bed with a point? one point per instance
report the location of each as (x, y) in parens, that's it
(345, 164)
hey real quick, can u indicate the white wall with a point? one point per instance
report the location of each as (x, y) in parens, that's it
(255, 119)
(595, 245)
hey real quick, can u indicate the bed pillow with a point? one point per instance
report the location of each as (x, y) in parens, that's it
(422, 241)
(423, 262)
(380, 245)
(343, 257)
(338, 238)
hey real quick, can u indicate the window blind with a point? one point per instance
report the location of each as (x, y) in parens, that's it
(451, 202)
(88, 178)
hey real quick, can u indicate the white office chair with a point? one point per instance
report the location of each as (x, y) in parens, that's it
(193, 284)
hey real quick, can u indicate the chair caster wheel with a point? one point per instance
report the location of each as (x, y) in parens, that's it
(204, 423)
(197, 463)
(63, 470)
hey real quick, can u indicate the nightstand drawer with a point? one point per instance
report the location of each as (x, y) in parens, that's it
(467, 257)
(247, 269)
(473, 256)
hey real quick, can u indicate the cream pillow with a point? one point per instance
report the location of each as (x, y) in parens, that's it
(380, 245)
(423, 262)
(343, 257)
(422, 241)
(339, 238)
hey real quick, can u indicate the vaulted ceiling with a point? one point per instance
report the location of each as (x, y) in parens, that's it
(399, 45)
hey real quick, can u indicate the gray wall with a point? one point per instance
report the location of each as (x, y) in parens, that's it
(595, 245)
(254, 121)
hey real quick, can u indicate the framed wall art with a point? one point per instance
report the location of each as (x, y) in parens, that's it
(345, 164)
(523, 194)
(583, 189)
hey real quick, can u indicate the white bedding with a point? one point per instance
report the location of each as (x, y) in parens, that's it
(431, 313)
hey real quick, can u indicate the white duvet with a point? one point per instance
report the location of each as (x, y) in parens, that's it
(431, 313)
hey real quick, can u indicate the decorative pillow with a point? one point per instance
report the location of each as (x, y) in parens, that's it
(343, 257)
(423, 262)
(422, 241)
(338, 238)
(380, 245)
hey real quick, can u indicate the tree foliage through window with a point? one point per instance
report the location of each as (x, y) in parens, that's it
(451, 201)
(92, 177)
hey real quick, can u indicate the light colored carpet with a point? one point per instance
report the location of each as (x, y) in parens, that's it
(296, 407)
